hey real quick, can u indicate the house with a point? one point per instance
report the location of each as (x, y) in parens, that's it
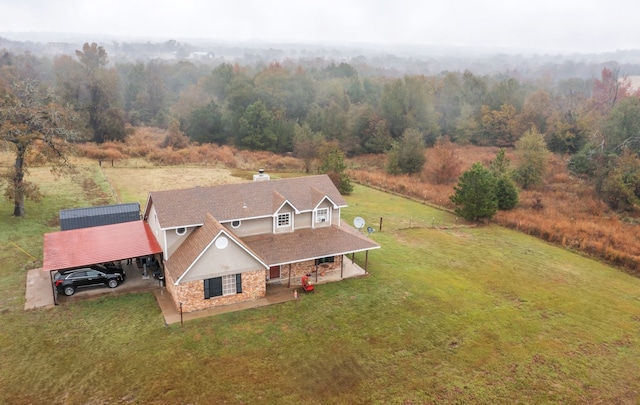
(225, 244)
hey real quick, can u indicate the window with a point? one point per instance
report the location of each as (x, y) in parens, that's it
(181, 231)
(328, 259)
(322, 215)
(235, 224)
(284, 219)
(229, 284)
(225, 285)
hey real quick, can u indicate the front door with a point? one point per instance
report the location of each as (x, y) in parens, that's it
(274, 272)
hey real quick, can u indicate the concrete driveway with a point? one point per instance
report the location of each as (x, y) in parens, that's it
(39, 292)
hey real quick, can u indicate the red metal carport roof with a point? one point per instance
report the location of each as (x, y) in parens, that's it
(99, 244)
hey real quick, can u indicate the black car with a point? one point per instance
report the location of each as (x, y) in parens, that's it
(68, 281)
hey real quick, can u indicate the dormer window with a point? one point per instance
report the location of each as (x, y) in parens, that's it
(322, 215)
(181, 231)
(235, 224)
(284, 219)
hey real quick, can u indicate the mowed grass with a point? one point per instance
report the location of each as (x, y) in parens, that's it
(448, 315)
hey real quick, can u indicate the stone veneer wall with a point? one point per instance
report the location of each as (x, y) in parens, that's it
(191, 293)
(308, 267)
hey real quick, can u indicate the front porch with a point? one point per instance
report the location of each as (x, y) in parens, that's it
(278, 291)
(348, 269)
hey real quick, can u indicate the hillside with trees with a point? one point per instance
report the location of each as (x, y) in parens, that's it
(570, 137)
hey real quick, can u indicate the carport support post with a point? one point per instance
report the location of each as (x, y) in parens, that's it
(53, 290)
(341, 265)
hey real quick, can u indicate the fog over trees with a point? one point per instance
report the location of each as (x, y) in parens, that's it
(295, 99)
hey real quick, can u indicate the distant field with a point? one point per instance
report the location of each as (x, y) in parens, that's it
(134, 185)
(450, 314)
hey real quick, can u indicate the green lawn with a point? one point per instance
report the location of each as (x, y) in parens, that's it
(448, 315)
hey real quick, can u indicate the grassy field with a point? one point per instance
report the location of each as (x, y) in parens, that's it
(450, 314)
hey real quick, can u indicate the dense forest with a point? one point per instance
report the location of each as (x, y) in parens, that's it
(296, 106)
(548, 149)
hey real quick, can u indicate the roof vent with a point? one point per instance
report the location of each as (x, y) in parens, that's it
(261, 176)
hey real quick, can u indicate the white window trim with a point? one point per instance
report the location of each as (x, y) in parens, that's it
(288, 214)
(325, 216)
(229, 285)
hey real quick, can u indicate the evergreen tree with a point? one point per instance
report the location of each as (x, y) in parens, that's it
(500, 166)
(619, 183)
(407, 155)
(475, 195)
(586, 160)
(506, 193)
(506, 189)
(206, 125)
(256, 128)
(393, 159)
(333, 165)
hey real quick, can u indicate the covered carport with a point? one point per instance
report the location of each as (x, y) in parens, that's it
(100, 244)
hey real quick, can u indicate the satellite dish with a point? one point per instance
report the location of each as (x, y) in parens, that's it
(358, 222)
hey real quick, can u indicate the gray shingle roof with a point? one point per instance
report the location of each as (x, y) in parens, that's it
(228, 202)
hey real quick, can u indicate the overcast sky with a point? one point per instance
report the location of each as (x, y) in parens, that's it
(539, 25)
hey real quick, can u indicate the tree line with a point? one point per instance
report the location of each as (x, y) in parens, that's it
(299, 108)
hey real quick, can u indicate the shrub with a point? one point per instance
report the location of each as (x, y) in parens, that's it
(475, 195)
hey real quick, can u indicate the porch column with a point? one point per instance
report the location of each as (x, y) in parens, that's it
(289, 283)
(341, 265)
(366, 261)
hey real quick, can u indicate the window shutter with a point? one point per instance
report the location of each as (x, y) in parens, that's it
(238, 283)
(212, 287)
(215, 286)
